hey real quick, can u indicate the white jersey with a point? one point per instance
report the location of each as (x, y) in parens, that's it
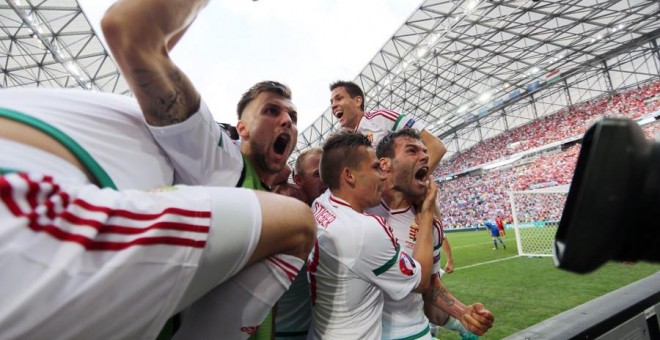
(354, 262)
(202, 153)
(405, 318)
(108, 127)
(377, 124)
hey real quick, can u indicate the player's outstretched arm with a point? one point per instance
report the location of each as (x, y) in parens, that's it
(438, 302)
(288, 227)
(140, 35)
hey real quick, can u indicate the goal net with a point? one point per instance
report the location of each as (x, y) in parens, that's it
(536, 215)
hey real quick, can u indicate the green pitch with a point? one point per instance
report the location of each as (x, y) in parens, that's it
(522, 291)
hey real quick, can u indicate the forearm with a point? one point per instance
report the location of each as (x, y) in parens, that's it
(423, 252)
(438, 296)
(436, 149)
(139, 34)
(446, 249)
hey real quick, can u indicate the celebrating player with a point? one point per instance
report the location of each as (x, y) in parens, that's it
(356, 261)
(404, 161)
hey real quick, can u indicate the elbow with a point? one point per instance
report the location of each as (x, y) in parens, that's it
(424, 284)
(114, 27)
(306, 232)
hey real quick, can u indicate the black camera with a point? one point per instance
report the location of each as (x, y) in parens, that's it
(612, 211)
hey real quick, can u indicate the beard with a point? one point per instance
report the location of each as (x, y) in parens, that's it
(261, 161)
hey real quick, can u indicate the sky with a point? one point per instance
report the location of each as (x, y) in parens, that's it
(306, 44)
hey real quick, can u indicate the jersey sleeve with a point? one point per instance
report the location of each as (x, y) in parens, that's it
(201, 152)
(383, 262)
(392, 121)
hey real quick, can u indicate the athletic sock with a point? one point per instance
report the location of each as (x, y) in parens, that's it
(495, 243)
(236, 308)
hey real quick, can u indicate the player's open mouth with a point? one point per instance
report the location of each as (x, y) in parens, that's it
(338, 114)
(421, 174)
(281, 143)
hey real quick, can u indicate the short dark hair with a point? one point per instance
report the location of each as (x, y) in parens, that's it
(386, 146)
(301, 158)
(258, 88)
(352, 88)
(339, 151)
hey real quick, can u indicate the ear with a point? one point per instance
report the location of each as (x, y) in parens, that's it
(297, 179)
(347, 175)
(385, 164)
(242, 129)
(359, 100)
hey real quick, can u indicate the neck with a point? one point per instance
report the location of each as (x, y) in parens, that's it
(358, 118)
(266, 177)
(351, 199)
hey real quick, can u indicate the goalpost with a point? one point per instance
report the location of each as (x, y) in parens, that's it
(536, 214)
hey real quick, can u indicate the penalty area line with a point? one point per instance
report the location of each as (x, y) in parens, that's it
(487, 262)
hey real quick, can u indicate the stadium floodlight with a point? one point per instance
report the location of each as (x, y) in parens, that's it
(613, 206)
(484, 97)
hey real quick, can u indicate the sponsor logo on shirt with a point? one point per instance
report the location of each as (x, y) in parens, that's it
(406, 264)
(410, 123)
(323, 216)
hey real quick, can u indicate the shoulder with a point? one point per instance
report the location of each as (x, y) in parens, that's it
(388, 115)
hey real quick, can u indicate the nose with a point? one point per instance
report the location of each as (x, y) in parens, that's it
(286, 120)
(425, 156)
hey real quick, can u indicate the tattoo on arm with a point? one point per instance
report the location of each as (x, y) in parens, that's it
(165, 98)
(443, 294)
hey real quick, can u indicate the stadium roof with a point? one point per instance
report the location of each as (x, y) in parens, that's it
(50, 43)
(455, 63)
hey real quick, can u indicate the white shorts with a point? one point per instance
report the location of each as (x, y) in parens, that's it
(82, 262)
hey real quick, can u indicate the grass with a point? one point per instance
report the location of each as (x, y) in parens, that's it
(522, 291)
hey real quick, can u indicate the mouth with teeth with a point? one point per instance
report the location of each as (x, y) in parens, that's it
(339, 114)
(281, 143)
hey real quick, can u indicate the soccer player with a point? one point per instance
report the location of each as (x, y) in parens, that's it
(404, 161)
(140, 35)
(356, 261)
(347, 101)
(494, 234)
(500, 225)
(73, 246)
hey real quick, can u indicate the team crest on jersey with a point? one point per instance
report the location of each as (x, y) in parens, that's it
(412, 232)
(406, 264)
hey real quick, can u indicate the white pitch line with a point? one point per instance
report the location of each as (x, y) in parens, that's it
(487, 262)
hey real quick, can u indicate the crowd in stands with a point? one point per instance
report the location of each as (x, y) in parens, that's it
(468, 200)
(634, 103)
